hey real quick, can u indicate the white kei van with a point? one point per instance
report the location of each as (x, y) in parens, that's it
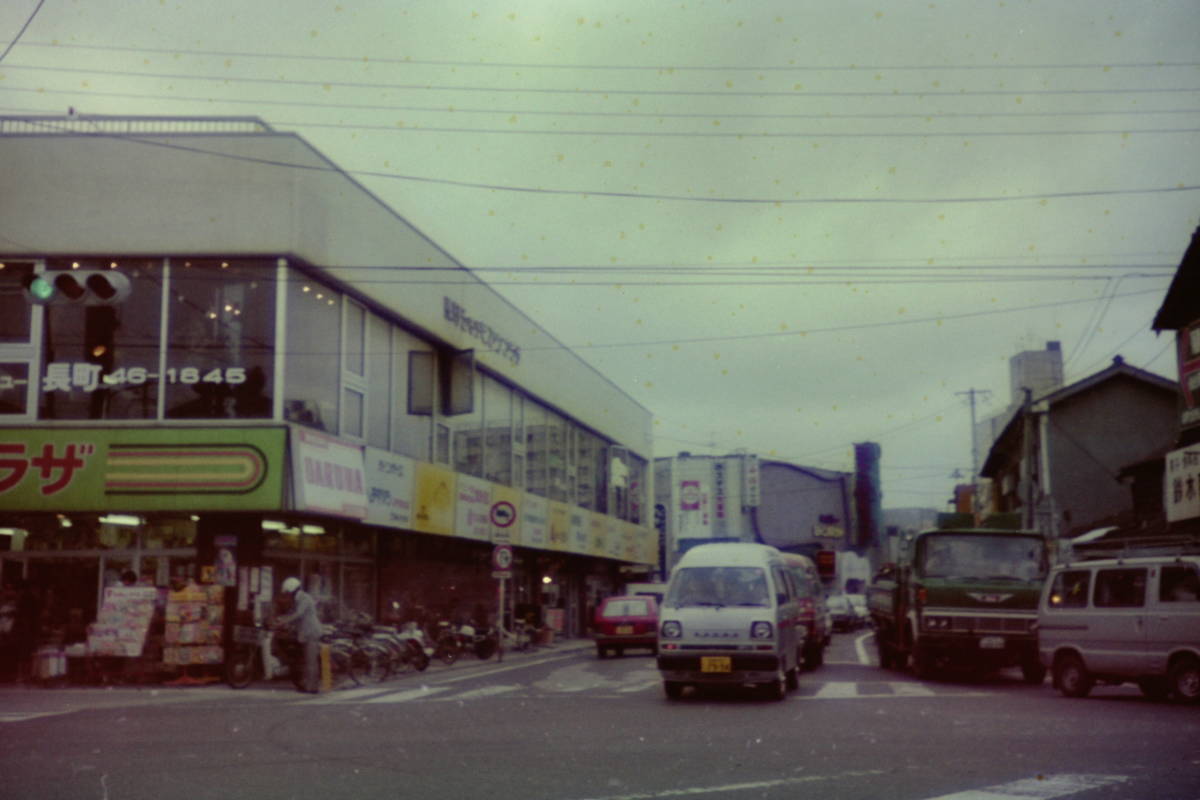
(1123, 620)
(731, 616)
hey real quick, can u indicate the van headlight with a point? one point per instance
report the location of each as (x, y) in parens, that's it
(762, 630)
(671, 630)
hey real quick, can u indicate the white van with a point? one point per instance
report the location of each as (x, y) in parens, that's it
(731, 616)
(1119, 620)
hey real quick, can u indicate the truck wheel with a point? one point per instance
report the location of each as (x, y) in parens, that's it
(1071, 676)
(1185, 680)
(920, 661)
(793, 677)
(886, 660)
(673, 689)
(776, 689)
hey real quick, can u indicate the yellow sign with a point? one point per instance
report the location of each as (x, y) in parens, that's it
(433, 509)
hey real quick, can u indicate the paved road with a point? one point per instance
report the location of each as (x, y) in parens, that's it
(564, 725)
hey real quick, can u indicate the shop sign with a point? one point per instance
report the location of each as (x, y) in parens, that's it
(1182, 484)
(434, 500)
(328, 474)
(535, 516)
(389, 488)
(1189, 375)
(457, 316)
(472, 510)
(141, 469)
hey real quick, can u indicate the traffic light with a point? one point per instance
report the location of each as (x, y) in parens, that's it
(88, 287)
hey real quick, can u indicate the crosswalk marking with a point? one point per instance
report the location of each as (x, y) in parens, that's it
(808, 690)
(411, 694)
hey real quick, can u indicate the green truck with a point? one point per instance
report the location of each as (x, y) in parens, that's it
(963, 598)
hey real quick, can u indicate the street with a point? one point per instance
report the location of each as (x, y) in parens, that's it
(560, 724)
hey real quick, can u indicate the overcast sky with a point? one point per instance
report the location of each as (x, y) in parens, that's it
(780, 226)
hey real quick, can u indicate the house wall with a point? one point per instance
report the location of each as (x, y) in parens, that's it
(1092, 435)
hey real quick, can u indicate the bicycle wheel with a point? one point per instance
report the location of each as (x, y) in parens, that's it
(240, 666)
(378, 661)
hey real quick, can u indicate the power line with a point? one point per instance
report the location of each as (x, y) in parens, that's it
(408, 61)
(326, 85)
(13, 42)
(584, 193)
(723, 115)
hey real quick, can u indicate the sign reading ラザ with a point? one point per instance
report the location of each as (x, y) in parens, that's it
(141, 469)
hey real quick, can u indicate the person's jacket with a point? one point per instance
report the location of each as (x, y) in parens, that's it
(304, 617)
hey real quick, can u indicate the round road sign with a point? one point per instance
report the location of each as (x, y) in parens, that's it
(502, 556)
(503, 514)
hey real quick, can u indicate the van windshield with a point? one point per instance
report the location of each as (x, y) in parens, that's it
(719, 586)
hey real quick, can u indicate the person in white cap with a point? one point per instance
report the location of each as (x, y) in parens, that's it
(308, 630)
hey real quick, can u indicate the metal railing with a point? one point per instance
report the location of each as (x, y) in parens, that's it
(76, 124)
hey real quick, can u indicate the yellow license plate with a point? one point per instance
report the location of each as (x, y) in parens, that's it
(716, 664)
(624, 630)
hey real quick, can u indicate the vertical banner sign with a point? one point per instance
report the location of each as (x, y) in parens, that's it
(558, 525)
(720, 522)
(751, 474)
(1182, 484)
(1189, 375)
(328, 475)
(389, 488)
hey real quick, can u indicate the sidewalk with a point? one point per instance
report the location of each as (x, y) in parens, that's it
(25, 701)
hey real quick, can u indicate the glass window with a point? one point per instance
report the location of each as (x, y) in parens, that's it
(1179, 584)
(556, 457)
(14, 384)
(352, 408)
(497, 415)
(379, 381)
(355, 337)
(637, 487)
(592, 472)
(101, 362)
(468, 434)
(312, 363)
(221, 339)
(1120, 588)
(536, 448)
(16, 313)
(1070, 589)
(410, 432)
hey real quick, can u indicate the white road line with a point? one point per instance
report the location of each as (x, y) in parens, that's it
(1043, 787)
(749, 786)
(21, 716)
(861, 649)
(486, 691)
(411, 694)
(639, 687)
(836, 689)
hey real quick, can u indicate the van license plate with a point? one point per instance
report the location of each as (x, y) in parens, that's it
(716, 664)
(991, 643)
(624, 630)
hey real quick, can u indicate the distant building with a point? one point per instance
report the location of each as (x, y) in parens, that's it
(1041, 371)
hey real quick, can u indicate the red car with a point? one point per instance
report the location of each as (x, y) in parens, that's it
(626, 621)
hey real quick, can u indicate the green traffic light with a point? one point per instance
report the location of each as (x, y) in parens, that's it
(41, 290)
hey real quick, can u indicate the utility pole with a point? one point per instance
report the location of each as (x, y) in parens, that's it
(971, 395)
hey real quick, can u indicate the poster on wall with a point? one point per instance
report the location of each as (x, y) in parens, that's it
(1182, 485)
(328, 474)
(390, 480)
(558, 525)
(578, 531)
(225, 562)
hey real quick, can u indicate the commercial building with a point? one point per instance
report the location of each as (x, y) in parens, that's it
(287, 378)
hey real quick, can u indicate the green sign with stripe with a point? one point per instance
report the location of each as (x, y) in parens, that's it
(141, 469)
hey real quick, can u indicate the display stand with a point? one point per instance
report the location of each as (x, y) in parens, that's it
(193, 633)
(116, 641)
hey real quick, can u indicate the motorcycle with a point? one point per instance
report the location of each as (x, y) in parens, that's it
(259, 652)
